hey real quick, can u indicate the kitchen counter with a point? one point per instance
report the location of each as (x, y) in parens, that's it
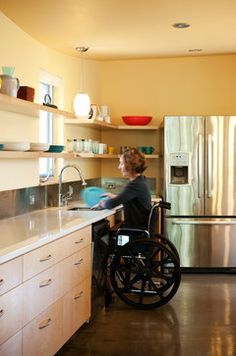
(24, 233)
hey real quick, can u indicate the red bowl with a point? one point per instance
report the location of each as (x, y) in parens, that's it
(137, 120)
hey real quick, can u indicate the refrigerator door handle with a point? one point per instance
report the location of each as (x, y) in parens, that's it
(209, 165)
(200, 163)
(206, 222)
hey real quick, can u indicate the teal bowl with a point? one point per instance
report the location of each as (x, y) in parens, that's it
(56, 148)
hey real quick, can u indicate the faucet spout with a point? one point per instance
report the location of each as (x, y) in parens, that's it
(60, 195)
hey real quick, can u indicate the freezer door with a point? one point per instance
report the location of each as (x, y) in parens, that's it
(203, 242)
(220, 170)
(184, 137)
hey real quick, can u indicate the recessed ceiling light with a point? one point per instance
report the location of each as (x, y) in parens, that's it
(181, 25)
(195, 50)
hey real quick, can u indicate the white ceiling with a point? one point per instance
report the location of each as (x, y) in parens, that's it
(127, 29)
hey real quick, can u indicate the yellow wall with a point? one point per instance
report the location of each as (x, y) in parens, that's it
(170, 86)
(157, 87)
(28, 56)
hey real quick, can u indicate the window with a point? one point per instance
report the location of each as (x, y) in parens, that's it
(50, 132)
(46, 165)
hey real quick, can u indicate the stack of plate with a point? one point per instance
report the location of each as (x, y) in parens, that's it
(56, 148)
(36, 146)
(16, 146)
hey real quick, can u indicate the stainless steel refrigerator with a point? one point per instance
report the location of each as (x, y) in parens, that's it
(200, 184)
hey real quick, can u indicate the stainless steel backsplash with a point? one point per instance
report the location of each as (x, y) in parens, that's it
(25, 200)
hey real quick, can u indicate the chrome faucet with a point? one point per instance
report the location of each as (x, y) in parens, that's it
(62, 199)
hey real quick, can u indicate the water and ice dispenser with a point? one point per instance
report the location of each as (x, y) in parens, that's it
(179, 168)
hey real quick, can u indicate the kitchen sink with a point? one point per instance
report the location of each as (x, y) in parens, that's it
(81, 208)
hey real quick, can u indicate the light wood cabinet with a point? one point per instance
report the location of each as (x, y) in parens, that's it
(43, 335)
(46, 256)
(10, 274)
(13, 346)
(76, 308)
(11, 313)
(54, 290)
(40, 292)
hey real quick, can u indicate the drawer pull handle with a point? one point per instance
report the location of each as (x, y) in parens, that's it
(79, 262)
(45, 258)
(45, 323)
(45, 283)
(1, 312)
(1, 281)
(78, 295)
(79, 242)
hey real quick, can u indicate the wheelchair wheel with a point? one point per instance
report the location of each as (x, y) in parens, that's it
(168, 244)
(145, 274)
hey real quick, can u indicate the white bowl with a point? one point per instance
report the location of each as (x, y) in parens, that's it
(16, 146)
(37, 146)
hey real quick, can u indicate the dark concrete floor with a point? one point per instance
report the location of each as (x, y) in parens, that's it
(199, 320)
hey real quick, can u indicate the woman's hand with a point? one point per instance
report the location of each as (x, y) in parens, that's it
(108, 195)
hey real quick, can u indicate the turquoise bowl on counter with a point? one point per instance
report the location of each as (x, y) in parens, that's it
(1, 146)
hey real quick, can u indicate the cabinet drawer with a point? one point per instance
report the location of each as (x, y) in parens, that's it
(43, 335)
(41, 291)
(11, 306)
(46, 256)
(13, 346)
(11, 274)
(42, 258)
(76, 268)
(76, 308)
(78, 239)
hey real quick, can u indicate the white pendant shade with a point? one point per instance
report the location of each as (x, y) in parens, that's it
(82, 105)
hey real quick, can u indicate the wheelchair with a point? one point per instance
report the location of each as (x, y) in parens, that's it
(144, 268)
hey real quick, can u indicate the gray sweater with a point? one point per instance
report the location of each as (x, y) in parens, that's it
(136, 199)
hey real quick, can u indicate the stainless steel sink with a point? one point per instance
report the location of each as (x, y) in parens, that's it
(80, 208)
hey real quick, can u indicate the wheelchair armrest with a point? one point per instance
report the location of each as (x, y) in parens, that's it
(125, 235)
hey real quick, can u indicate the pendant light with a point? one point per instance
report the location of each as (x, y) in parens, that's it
(81, 100)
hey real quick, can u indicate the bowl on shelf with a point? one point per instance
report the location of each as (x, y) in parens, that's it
(137, 120)
(56, 148)
(37, 146)
(16, 146)
(1, 146)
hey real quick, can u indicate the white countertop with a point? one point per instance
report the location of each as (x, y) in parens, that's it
(23, 233)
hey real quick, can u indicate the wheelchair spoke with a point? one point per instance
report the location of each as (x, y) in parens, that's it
(142, 292)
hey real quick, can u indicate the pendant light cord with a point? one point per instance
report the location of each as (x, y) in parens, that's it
(82, 50)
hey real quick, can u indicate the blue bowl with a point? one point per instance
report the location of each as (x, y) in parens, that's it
(56, 148)
(1, 146)
(92, 195)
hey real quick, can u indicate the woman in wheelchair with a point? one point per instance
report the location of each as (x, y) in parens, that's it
(135, 197)
(144, 272)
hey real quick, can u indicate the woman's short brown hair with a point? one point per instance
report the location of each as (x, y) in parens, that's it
(135, 161)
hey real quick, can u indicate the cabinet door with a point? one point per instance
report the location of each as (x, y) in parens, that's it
(41, 291)
(11, 306)
(43, 335)
(76, 268)
(76, 308)
(10, 274)
(13, 346)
